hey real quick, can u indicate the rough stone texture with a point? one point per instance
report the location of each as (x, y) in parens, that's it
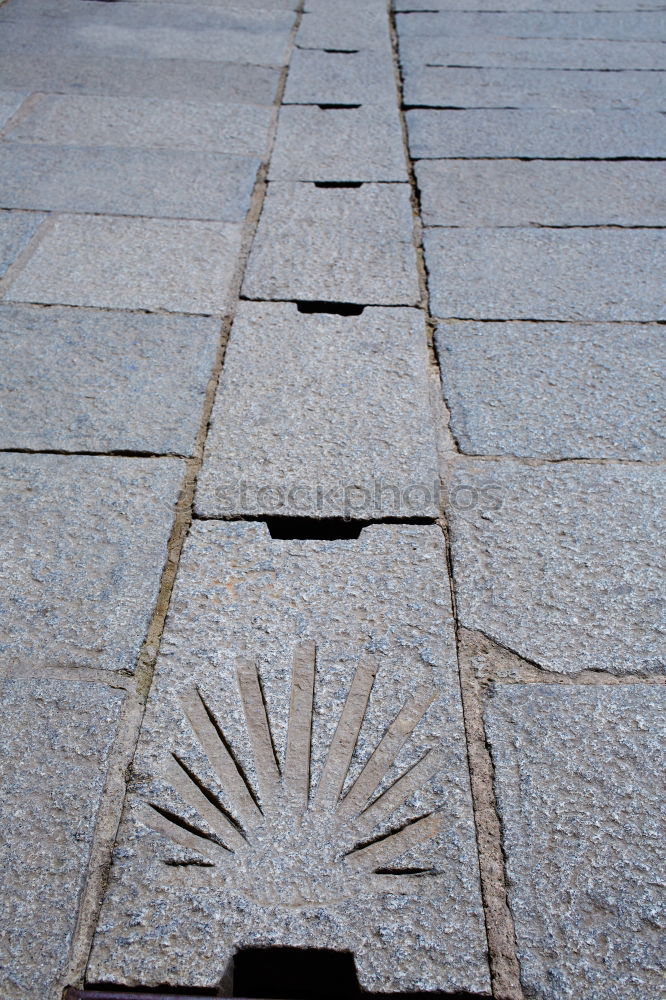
(241, 594)
(16, 231)
(9, 103)
(56, 740)
(572, 134)
(147, 182)
(340, 78)
(58, 390)
(579, 774)
(563, 390)
(298, 426)
(84, 542)
(354, 144)
(575, 90)
(518, 193)
(525, 5)
(621, 26)
(561, 563)
(345, 24)
(234, 4)
(340, 245)
(570, 274)
(132, 264)
(85, 120)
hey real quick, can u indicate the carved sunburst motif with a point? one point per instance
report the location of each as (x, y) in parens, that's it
(283, 842)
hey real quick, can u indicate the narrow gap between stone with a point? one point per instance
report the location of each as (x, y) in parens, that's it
(338, 107)
(338, 184)
(335, 308)
(328, 528)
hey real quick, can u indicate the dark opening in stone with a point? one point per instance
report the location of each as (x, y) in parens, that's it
(295, 974)
(327, 528)
(335, 308)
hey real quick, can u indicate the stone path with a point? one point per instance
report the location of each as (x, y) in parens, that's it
(331, 589)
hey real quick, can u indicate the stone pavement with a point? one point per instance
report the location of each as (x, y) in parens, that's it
(332, 432)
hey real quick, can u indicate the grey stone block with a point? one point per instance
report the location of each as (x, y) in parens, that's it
(57, 738)
(340, 245)
(234, 4)
(84, 541)
(558, 134)
(525, 5)
(120, 263)
(239, 594)
(579, 774)
(626, 25)
(345, 24)
(16, 231)
(340, 78)
(561, 274)
(561, 563)
(562, 390)
(292, 440)
(363, 144)
(519, 193)
(85, 120)
(158, 183)
(532, 88)
(9, 104)
(58, 390)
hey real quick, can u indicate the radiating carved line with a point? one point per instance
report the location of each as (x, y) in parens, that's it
(384, 756)
(205, 803)
(299, 734)
(256, 716)
(346, 735)
(382, 850)
(181, 832)
(397, 793)
(219, 753)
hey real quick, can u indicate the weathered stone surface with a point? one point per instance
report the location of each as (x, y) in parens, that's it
(354, 144)
(345, 24)
(562, 390)
(561, 563)
(304, 885)
(626, 25)
(525, 5)
(340, 245)
(317, 77)
(291, 439)
(234, 4)
(85, 120)
(575, 90)
(56, 739)
(158, 183)
(84, 542)
(120, 263)
(9, 103)
(563, 274)
(519, 193)
(509, 132)
(58, 390)
(16, 231)
(579, 775)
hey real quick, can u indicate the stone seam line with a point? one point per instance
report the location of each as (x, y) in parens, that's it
(110, 812)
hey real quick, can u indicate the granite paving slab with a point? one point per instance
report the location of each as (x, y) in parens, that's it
(537, 134)
(157, 183)
(339, 245)
(547, 193)
(559, 274)
(349, 144)
(234, 4)
(122, 263)
(626, 25)
(345, 24)
(10, 102)
(573, 90)
(579, 776)
(85, 120)
(291, 439)
(344, 663)
(562, 563)
(58, 391)
(527, 5)
(16, 231)
(317, 77)
(57, 738)
(84, 542)
(556, 390)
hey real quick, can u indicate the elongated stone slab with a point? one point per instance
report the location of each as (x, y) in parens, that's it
(56, 740)
(59, 392)
(572, 274)
(83, 544)
(623, 26)
(317, 77)
(525, 5)
(543, 134)
(561, 563)
(339, 245)
(16, 231)
(555, 390)
(579, 777)
(293, 440)
(345, 24)
(290, 681)
(9, 104)
(350, 144)
(517, 193)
